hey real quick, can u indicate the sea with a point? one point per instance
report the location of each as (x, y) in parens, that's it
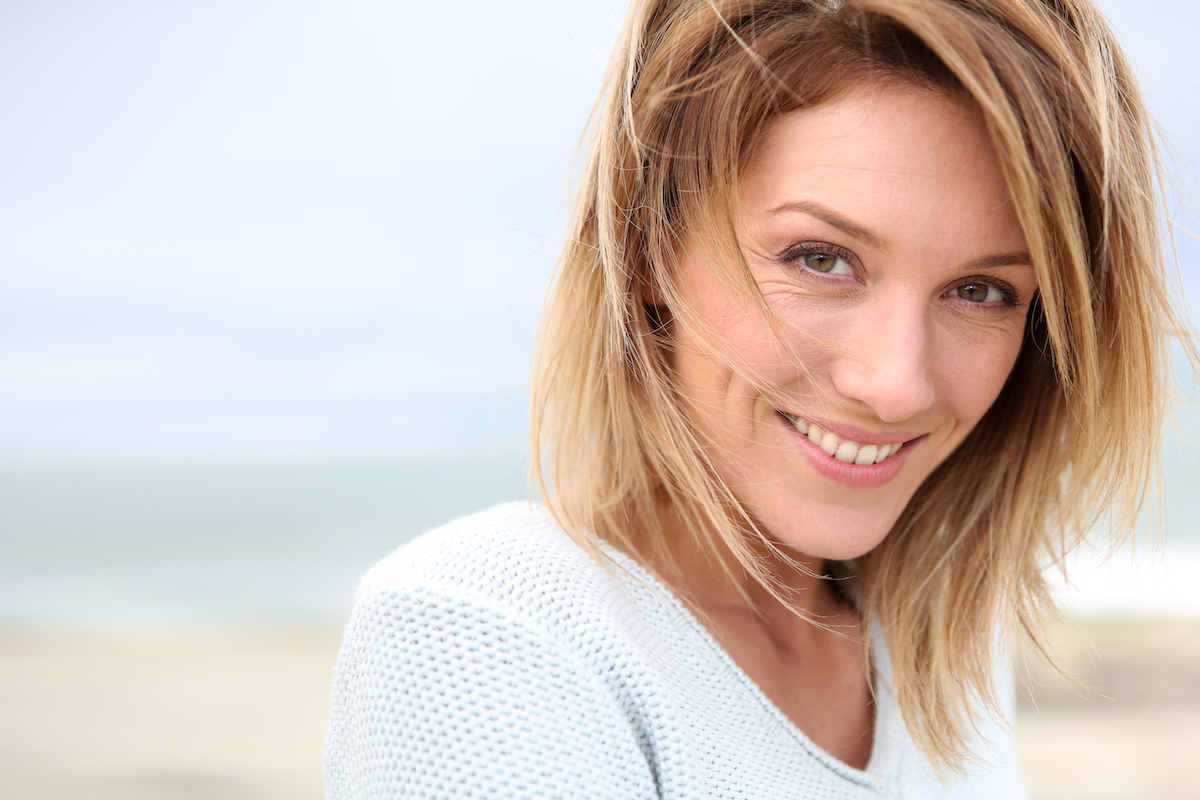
(136, 549)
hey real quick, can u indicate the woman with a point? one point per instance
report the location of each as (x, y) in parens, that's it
(861, 323)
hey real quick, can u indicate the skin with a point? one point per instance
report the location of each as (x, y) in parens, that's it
(881, 235)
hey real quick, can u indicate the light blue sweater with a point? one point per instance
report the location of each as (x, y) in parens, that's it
(494, 658)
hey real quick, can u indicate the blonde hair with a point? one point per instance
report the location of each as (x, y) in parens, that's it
(1074, 434)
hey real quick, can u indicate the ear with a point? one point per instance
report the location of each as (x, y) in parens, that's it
(651, 292)
(654, 304)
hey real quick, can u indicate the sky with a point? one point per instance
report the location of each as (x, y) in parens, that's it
(268, 232)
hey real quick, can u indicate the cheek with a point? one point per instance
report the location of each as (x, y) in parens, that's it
(796, 340)
(720, 368)
(726, 346)
(703, 359)
(972, 372)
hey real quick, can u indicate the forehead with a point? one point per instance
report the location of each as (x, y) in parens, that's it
(877, 130)
(906, 162)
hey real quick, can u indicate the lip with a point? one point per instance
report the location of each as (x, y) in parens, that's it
(852, 475)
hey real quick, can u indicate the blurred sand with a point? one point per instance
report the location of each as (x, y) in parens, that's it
(1136, 734)
(240, 716)
(226, 716)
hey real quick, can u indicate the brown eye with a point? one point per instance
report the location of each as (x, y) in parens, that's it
(978, 292)
(826, 263)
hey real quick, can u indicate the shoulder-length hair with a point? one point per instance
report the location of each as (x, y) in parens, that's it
(1074, 434)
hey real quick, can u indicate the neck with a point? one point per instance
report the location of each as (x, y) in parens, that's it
(802, 645)
(717, 580)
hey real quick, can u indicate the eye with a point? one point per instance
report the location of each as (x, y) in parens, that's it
(986, 292)
(979, 292)
(822, 258)
(823, 262)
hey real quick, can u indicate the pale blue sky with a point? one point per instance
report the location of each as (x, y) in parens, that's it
(278, 232)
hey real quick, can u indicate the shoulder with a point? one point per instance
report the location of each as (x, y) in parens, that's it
(512, 565)
(470, 659)
(484, 542)
(512, 555)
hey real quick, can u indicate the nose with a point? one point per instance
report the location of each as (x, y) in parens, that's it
(886, 362)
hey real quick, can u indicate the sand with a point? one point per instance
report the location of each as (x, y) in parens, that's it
(230, 716)
(1136, 733)
(242, 715)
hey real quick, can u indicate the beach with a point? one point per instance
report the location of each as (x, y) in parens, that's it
(228, 715)
(1135, 733)
(241, 714)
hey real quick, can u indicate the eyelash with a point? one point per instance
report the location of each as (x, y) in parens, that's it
(794, 257)
(1011, 298)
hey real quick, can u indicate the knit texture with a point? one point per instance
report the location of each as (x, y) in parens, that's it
(493, 658)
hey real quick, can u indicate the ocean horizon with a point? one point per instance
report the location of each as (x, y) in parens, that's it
(148, 548)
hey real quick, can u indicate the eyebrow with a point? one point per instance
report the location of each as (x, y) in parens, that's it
(829, 217)
(1013, 258)
(1017, 258)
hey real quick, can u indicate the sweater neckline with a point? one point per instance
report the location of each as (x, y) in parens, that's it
(883, 759)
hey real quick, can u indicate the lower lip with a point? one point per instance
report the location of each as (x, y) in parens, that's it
(869, 476)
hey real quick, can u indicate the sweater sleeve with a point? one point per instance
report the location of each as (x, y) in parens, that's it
(440, 696)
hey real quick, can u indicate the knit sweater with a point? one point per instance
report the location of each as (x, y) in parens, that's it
(494, 658)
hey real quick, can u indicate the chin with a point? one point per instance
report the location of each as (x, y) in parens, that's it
(840, 535)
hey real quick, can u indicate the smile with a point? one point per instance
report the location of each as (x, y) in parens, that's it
(843, 450)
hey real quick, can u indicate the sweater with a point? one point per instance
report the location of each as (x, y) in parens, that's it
(495, 658)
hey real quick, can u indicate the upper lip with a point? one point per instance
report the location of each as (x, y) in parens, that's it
(858, 435)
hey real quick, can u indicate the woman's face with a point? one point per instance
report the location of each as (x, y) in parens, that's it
(881, 235)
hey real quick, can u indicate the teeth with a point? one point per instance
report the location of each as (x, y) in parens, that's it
(814, 434)
(845, 451)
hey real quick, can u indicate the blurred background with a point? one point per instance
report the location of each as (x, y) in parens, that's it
(269, 275)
